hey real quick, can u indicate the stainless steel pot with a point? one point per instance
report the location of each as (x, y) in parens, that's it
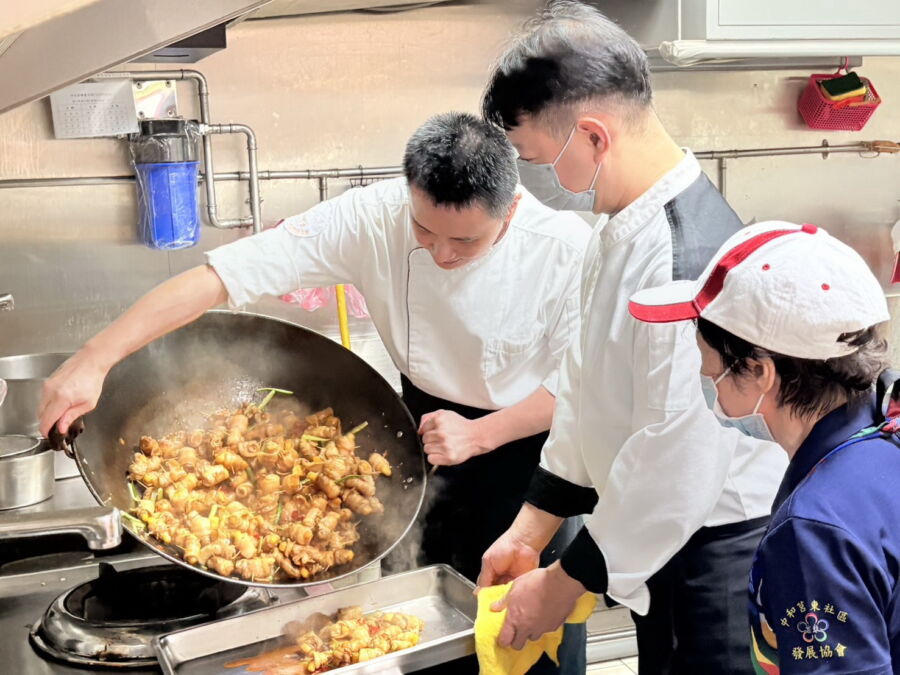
(26, 471)
(219, 361)
(24, 377)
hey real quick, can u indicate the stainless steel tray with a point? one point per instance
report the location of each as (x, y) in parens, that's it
(438, 595)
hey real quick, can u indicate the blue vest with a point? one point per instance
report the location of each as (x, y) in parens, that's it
(824, 594)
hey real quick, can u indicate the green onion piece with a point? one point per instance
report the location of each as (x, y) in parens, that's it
(277, 391)
(354, 475)
(266, 400)
(135, 521)
(359, 427)
(135, 495)
(159, 495)
(250, 474)
(278, 512)
(314, 439)
(272, 391)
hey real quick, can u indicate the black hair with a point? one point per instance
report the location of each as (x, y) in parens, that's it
(459, 160)
(808, 386)
(569, 54)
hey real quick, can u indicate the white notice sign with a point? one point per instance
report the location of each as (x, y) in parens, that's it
(94, 109)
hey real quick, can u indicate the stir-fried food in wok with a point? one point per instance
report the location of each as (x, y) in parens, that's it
(259, 495)
(341, 640)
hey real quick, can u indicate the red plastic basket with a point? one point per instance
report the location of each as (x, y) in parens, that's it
(820, 112)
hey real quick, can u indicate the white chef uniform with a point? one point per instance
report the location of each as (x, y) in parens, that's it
(486, 335)
(631, 421)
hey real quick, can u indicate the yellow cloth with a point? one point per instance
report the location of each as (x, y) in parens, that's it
(496, 660)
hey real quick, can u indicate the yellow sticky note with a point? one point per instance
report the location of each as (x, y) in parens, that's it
(496, 660)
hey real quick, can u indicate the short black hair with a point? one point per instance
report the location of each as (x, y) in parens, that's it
(459, 160)
(568, 54)
(808, 386)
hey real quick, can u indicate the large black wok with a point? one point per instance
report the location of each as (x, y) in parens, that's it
(219, 361)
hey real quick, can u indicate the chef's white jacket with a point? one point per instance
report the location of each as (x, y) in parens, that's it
(487, 334)
(630, 419)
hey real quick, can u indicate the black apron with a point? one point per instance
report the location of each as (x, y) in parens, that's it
(698, 622)
(468, 506)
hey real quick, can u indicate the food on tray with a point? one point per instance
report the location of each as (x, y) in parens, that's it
(323, 643)
(264, 496)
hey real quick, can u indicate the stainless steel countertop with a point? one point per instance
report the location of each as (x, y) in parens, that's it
(24, 597)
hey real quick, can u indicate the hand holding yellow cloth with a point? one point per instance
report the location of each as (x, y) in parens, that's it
(497, 660)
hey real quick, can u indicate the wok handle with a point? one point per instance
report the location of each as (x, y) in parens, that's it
(66, 443)
(100, 526)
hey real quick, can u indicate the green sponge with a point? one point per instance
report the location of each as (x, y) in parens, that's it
(846, 86)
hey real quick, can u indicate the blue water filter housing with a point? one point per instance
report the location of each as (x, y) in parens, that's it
(166, 173)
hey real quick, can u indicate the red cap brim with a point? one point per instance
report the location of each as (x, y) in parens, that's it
(679, 311)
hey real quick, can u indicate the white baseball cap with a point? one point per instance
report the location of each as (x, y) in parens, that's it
(791, 289)
(895, 236)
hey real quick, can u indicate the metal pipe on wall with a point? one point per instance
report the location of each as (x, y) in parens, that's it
(723, 169)
(825, 149)
(306, 174)
(875, 148)
(255, 204)
(203, 98)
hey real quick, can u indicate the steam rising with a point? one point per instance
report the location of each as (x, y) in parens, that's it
(219, 361)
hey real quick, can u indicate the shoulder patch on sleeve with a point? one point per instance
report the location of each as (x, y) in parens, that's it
(310, 223)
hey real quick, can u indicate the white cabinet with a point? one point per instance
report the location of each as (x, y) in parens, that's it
(789, 19)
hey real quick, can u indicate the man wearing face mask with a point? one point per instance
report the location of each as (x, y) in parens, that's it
(472, 285)
(676, 503)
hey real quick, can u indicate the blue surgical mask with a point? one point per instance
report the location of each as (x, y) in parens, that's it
(753, 425)
(542, 181)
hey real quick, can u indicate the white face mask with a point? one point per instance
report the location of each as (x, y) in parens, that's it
(542, 181)
(753, 425)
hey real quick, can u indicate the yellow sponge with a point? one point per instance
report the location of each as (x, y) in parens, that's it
(844, 87)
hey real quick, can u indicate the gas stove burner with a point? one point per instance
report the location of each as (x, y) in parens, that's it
(111, 621)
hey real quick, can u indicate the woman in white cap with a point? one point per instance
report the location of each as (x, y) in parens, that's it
(786, 318)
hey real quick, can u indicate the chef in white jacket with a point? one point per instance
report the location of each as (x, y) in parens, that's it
(677, 504)
(473, 286)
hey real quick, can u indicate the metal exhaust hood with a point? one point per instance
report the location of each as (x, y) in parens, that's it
(281, 8)
(49, 44)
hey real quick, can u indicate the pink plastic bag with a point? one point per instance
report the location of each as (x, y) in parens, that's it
(312, 299)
